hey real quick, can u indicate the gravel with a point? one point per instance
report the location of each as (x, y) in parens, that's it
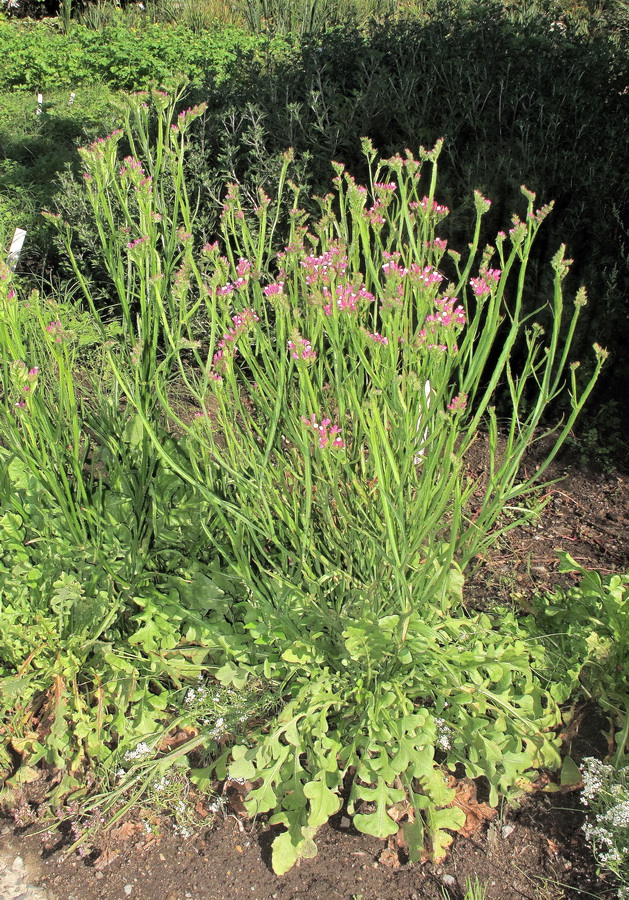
(17, 877)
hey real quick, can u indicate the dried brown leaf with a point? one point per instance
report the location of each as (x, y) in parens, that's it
(106, 858)
(476, 814)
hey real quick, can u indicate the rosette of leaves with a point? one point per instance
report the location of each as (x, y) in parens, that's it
(378, 726)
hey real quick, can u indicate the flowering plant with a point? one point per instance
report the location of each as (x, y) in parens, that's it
(328, 395)
(606, 794)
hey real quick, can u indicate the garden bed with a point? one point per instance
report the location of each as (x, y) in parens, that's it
(535, 849)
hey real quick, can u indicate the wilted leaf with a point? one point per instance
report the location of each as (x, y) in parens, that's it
(106, 858)
(389, 858)
(476, 814)
(125, 831)
(172, 741)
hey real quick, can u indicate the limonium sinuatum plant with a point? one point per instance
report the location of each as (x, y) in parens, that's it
(333, 385)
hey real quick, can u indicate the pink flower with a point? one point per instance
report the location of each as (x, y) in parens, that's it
(391, 267)
(332, 263)
(374, 215)
(242, 322)
(274, 290)
(437, 244)
(425, 277)
(137, 242)
(346, 298)
(377, 338)
(243, 268)
(301, 348)
(55, 329)
(385, 188)
(458, 403)
(480, 287)
(431, 207)
(327, 435)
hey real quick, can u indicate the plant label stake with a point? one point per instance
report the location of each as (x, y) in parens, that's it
(71, 100)
(420, 455)
(16, 248)
(40, 104)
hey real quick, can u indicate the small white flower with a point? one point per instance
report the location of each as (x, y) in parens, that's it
(141, 750)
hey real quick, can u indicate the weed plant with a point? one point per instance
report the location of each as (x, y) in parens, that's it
(606, 795)
(588, 628)
(328, 394)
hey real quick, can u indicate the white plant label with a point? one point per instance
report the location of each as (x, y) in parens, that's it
(16, 248)
(428, 395)
(40, 103)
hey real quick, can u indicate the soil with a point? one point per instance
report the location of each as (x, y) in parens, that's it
(534, 850)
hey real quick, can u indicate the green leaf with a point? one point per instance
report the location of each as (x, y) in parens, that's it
(437, 820)
(414, 836)
(298, 652)
(288, 848)
(231, 674)
(378, 823)
(567, 563)
(323, 802)
(134, 429)
(242, 766)
(570, 773)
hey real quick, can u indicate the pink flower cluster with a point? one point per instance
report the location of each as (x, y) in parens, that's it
(377, 338)
(374, 214)
(242, 322)
(391, 267)
(132, 166)
(483, 284)
(385, 188)
(243, 270)
(421, 277)
(187, 116)
(276, 289)
(447, 316)
(425, 277)
(429, 206)
(230, 203)
(55, 329)
(301, 348)
(26, 380)
(458, 403)
(397, 162)
(328, 435)
(137, 242)
(97, 146)
(332, 263)
(346, 298)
